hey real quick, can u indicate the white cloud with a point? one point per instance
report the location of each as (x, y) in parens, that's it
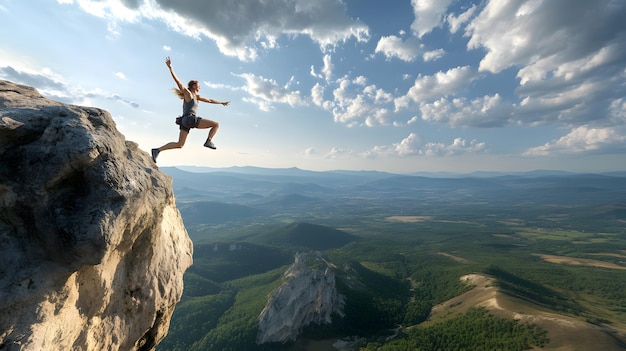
(413, 145)
(317, 95)
(393, 46)
(457, 147)
(310, 152)
(120, 75)
(328, 67)
(338, 153)
(354, 102)
(220, 86)
(440, 84)
(488, 111)
(111, 9)
(433, 55)
(264, 92)
(456, 22)
(429, 14)
(582, 139)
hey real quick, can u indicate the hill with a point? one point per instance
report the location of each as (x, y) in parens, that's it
(564, 332)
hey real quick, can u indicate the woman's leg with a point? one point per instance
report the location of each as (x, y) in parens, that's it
(182, 137)
(207, 123)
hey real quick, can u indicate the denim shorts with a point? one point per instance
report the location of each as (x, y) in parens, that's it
(188, 122)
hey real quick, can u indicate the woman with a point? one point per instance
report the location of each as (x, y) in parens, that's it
(189, 119)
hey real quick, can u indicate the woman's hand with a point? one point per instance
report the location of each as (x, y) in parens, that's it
(168, 62)
(225, 103)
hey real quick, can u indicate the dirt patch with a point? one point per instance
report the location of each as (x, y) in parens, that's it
(505, 236)
(579, 261)
(456, 258)
(409, 219)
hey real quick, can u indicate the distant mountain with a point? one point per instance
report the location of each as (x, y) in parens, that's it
(288, 187)
(370, 174)
(249, 170)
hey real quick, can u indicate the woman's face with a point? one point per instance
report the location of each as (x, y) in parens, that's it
(194, 87)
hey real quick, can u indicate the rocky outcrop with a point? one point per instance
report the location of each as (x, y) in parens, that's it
(92, 246)
(308, 296)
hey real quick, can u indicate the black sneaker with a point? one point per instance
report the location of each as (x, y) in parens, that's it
(155, 154)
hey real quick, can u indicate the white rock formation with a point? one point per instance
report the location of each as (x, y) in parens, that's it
(92, 246)
(307, 296)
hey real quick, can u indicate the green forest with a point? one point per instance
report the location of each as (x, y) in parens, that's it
(396, 258)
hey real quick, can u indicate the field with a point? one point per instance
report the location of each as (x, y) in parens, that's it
(547, 251)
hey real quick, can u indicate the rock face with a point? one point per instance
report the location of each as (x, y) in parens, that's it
(308, 296)
(92, 246)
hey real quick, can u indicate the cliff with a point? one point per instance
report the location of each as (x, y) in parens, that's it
(93, 248)
(308, 296)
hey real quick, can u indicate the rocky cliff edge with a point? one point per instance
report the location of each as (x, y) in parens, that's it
(92, 246)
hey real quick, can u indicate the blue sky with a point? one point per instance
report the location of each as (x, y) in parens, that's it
(398, 86)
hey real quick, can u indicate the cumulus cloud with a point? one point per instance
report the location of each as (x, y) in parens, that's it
(429, 14)
(583, 139)
(457, 147)
(435, 86)
(327, 69)
(456, 22)
(413, 145)
(265, 92)
(355, 102)
(488, 111)
(567, 75)
(393, 46)
(241, 28)
(433, 55)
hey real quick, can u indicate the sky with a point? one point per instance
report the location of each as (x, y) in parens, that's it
(398, 86)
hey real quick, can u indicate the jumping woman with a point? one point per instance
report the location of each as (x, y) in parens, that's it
(189, 119)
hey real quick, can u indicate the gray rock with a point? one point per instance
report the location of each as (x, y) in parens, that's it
(92, 246)
(308, 296)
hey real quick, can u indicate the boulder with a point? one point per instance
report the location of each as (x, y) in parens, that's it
(92, 246)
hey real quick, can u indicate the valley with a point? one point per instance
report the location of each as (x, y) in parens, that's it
(413, 255)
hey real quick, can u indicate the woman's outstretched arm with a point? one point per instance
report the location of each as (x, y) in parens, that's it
(211, 101)
(180, 85)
